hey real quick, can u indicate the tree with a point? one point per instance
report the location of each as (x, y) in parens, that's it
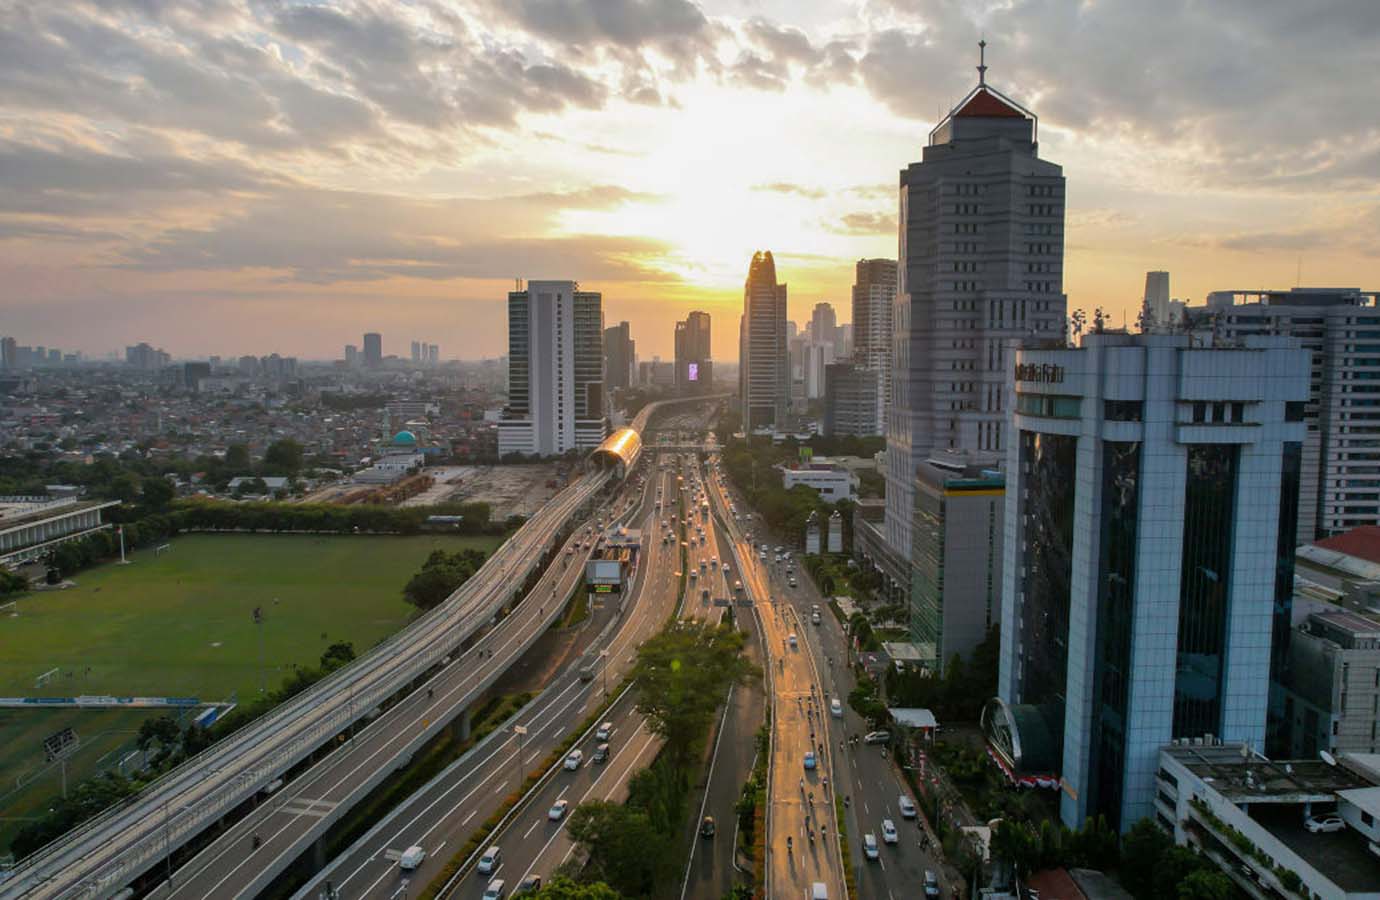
(162, 731)
(237, 459)
(623, 847)
(337, 655)
(564, 888)
(156, 493)
(283, 457)
(1204, 884)
(682, 674)
(440, 576)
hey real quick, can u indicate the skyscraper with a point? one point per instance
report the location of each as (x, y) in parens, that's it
(555, 371)
(694, 361)
(619, 350)
(764, 373)
(1156, 302)
(9, 353)
(1340, 484)
(981, 262)
(850, 396)
(351, 355)
(874, 295)
(416, 351)
(1149, 554)
(373, 350)
(824, 328)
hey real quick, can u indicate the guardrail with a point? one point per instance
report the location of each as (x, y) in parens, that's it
(273, 743)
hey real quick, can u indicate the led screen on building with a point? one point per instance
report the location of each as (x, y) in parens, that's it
(693, 371)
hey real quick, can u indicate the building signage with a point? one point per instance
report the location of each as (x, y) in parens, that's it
(1045, 373)
(692, 372)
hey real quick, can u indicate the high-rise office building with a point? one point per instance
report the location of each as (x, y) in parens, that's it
(373, 350)
(1149, 557)
(818, 356)
(764, 370)
(351, 355)
(555, 371)
(1155, 306)
(981, 262)
(9, 353)
(144, 357)
(1340, 485)
(824, 326)
(874, 296)
(850, 394)
(619, 352)
(433, 353)
(416, 351)
(694, 361)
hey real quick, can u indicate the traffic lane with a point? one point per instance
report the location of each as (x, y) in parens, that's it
(281, 823)
(456, 821)
(532, 828)
(446, 812)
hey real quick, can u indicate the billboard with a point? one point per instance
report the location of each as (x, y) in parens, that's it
(604, 571)
(692, 371)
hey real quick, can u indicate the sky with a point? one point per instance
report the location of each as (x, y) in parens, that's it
(244, 176)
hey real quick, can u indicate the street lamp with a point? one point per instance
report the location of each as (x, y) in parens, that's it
(519, 730)
(604, 655)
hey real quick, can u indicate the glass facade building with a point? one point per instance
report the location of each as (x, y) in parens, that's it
(1145, 575)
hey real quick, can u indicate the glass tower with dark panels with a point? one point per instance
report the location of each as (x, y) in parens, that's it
(1143, 576)
(763, 366)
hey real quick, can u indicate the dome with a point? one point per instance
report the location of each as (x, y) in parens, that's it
(405, 437)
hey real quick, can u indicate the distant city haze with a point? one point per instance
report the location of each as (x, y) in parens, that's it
(286, 178)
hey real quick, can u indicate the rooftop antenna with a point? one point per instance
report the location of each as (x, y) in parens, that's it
(982, 62)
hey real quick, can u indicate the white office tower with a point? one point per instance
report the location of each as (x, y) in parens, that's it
(555, 371)
(981, 262)
(764, 367)
(1148, 557)
(1340, 485)
(874, 296)
(818, 357)
(1155, 305)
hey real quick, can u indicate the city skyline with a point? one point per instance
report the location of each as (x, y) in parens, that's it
(337, 186)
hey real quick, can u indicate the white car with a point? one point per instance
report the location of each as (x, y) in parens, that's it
(411, 858)
(889, 831)
(907, 807)
(572, 762)
(490, 860)
(557, 810)
(495, 891)
(1324, 824)
(870, 848)
(604, 732)
(836, 708)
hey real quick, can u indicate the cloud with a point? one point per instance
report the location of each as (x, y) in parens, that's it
(677, 28)
(782, 187)
(864, 223)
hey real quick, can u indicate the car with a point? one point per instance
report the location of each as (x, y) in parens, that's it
(490, 861)
(836, 708)
(877, 737)
(1324, 824)
(931, 884)
(495, 890)
(818, 891)
(601, 753)
(530, 885)
(814, 616)
(411, 858)
(809, 759)
(889, 831)
(792, 583)
(694, 576)
(572, 762)
(870, 848)
(791, 641)
(907, 807)
(707, 827)
(727, 568)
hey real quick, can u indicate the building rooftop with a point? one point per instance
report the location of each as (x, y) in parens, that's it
(1252, 779)
(984, 102)
(18, 515)
(1362, 543)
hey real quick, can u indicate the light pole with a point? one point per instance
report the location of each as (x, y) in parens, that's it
(604, 669)
(519, 730)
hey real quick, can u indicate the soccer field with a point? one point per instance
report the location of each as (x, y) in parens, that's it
(181, 624)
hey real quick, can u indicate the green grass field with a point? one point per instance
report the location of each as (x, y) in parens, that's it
(182, 625)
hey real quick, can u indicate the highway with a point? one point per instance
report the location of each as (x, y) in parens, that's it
(111, 850)
(799, 805)
(864, 773)
(532, 843)
(441, 816)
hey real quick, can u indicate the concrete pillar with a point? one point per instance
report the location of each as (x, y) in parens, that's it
(462, 725)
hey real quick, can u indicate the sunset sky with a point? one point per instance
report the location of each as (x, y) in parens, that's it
(235, 177)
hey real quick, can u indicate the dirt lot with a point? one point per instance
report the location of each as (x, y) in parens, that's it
(510, 490)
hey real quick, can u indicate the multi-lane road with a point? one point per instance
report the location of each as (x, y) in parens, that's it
(864, 773)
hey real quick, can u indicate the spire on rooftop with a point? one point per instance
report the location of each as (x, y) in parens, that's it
(982, 62)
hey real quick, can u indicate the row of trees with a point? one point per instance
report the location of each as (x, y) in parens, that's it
(682, 675)
(170, 743)
(440, 576)
(213, 515)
